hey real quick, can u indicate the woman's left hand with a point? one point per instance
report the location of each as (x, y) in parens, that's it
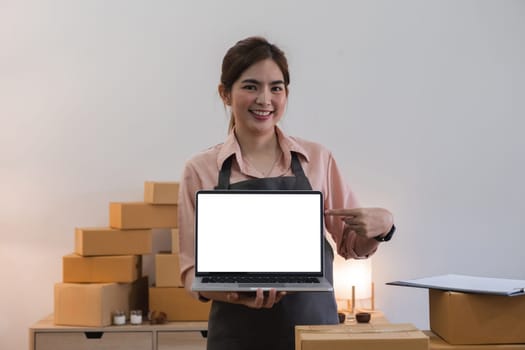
(366, 222)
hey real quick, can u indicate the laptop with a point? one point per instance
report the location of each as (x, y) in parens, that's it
(245, 240)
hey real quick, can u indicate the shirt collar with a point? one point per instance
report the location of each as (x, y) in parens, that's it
(288, 144)
(229, 147)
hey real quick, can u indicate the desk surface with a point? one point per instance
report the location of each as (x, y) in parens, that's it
(47, 324)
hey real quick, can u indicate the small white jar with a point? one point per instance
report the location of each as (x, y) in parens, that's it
(119, 318)
(136, 317)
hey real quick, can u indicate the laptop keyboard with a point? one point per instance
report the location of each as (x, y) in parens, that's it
(260, 279)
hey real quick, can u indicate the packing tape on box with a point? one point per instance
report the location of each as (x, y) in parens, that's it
(360, 329)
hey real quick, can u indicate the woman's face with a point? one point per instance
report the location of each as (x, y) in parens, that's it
(258, 98)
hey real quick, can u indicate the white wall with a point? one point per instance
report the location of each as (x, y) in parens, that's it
(421, 102)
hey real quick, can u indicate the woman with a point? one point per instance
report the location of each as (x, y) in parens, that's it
(258, 155)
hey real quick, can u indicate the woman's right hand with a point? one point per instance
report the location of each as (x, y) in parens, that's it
(257, 300)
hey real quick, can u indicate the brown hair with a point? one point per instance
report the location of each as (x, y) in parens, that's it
(245, 53)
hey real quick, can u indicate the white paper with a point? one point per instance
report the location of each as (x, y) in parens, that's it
(467, 284)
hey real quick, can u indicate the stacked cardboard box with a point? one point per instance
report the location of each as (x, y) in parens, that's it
(104, 241)
(169, 295)
(178, 304)
(161, 192)
(101, 269)
(481, 321)
(167, 267)
(104, 274)
(470, 312)
(92, 304)
(139, 215)
(437, 343)
(372, 336)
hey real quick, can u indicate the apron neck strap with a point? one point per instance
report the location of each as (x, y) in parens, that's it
(226, 169)
(224, 174)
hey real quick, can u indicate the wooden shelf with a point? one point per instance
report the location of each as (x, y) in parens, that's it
(45, 335)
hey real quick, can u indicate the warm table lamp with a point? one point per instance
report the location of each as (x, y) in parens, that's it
(353, 286)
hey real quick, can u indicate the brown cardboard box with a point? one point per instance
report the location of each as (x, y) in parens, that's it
(99, 269)
(107, 241)
(467, 318)
(175, 247)
(360, 336)
(161, 192)
(178, 304)
(436, 343)
(92, 304)
(167, 270)
(139, 215)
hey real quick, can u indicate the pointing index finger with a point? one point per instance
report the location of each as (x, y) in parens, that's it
(339, 212)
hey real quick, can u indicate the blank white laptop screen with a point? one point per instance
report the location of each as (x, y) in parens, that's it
(262, 232)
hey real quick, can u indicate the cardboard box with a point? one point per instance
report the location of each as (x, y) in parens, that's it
(436, 343)
(175, 246)
(360, 336)
(161, 192)
(467, 318)
(92, 304)
(167, 270)
(99, 269)
(106, 241)
(139, 215)
(178, 304)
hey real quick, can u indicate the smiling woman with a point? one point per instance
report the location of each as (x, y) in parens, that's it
(257, 155)
(257, 100)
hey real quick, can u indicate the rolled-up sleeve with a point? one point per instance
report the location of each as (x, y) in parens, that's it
(189, 185)
(200, 173)
(338, 196)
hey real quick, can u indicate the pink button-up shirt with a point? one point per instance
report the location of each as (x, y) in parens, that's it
(201, 172)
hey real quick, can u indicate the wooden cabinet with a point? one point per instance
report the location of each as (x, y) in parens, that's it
(180, 340)
(45, 335)
(93, 340)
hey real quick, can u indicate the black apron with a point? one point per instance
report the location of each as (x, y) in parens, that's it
(236, 327)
